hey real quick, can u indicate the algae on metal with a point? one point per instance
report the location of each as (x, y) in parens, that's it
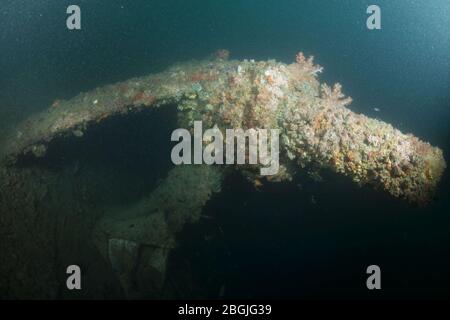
(316, 125)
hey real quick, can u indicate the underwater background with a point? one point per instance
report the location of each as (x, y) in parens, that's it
(312, 238)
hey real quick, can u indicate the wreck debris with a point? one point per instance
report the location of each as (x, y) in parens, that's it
(142, 236)
(316, 125)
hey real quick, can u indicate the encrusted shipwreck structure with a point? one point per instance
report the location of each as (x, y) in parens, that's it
(316, 129)
(315, 124)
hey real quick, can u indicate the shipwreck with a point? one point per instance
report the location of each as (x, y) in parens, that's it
(316, 128)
